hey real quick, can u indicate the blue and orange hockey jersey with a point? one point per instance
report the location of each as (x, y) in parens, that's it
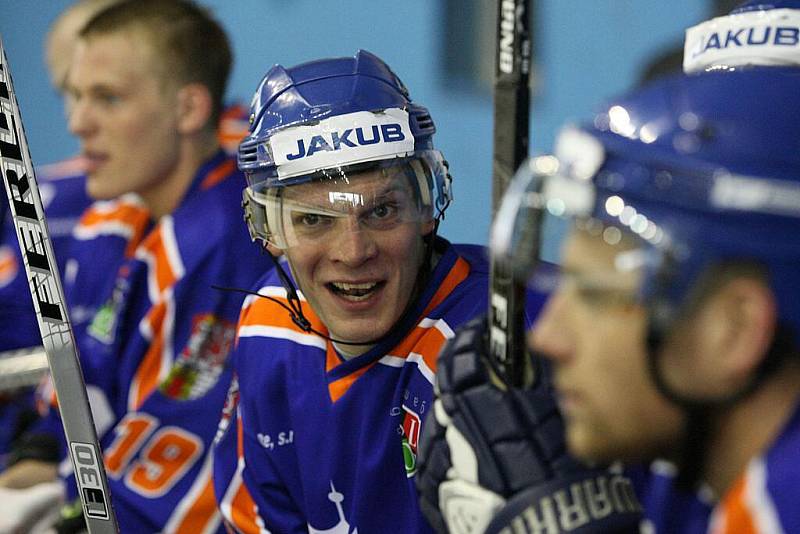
(310, 442)
(154, 337)
(763, 500)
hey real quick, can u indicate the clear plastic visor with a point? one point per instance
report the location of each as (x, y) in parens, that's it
(558, 235)
(374, 198)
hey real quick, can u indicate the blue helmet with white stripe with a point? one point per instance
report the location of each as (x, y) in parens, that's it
(326, 120)
(696, 171)
(757, 33)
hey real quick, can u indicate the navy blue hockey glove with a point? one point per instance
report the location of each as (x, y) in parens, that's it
(494, 457)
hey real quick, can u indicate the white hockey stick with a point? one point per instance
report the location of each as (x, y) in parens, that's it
(48, 300)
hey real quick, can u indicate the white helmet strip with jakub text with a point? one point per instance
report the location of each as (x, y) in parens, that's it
(769, 37)
(341, 140)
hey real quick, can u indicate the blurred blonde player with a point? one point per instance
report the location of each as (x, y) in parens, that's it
(144, 91)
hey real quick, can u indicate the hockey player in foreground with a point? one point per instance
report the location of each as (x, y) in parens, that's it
(674, 329)
(145, 90)
(335, 357)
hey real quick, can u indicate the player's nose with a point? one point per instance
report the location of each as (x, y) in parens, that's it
(550, 334)
(351, 244)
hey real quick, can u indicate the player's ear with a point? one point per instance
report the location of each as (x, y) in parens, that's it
(194, 107)
(743, 318)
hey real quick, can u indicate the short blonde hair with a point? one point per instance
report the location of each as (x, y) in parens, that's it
(63, 36)
(190, 44)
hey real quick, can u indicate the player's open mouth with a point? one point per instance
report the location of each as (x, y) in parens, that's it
(354, 292)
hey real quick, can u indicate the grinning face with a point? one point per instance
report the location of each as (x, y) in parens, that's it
(125, 116)
(594, 331)
(357, 264)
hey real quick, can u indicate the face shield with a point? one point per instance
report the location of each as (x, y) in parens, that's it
(368, 197)
(603, 231)
(554, 214)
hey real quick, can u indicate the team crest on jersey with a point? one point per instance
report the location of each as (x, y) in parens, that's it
(412, 426)
(104, 323)
(201, 362)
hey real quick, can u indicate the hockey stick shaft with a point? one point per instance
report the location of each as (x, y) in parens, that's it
(511, 136)
(48, 300)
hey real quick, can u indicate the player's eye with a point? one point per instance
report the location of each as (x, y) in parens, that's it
(384, 211)
(310, 221)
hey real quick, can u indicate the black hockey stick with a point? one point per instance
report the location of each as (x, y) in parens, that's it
(48, 299)
(511, 132)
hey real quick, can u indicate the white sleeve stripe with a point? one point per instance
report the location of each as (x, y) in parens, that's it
(423, 367)
(118, 228)
(226, 504)
(392, 361)
(439, 324)
(278, 332)
(236, 482)
(398, 362)
(759, 501)
(171, 247)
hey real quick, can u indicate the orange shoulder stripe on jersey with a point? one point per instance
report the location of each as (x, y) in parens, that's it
(218, 173)
(737, 519)
(458, 273)
(427, 342)
(120, 213)
(154, 245)
(147, 374)
(265, 312)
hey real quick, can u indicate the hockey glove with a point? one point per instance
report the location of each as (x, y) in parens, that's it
(494, 457)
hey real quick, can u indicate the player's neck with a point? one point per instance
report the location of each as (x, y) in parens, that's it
(164, 197)
(747, 429)
(348, 352)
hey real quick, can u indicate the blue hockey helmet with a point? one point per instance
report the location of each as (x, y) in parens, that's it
(756, 33)
(765, 5)
(327, 120)
(684, 175)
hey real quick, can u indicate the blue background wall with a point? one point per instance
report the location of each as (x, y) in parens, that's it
(586, 51)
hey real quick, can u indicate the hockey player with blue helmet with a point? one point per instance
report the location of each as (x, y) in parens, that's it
(338, 347)
(674, 325)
